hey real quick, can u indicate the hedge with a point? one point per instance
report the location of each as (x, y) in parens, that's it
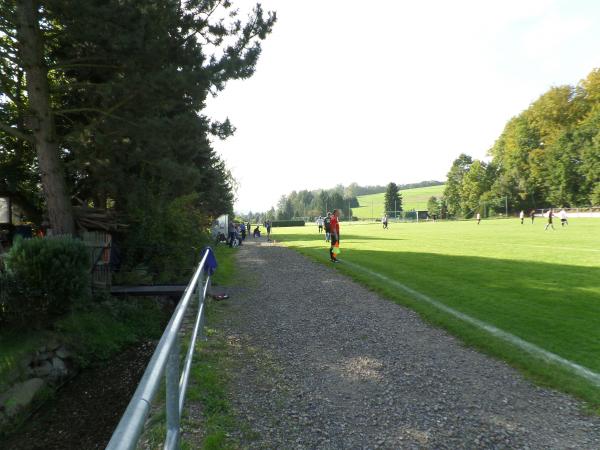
(43, 279)
(288, 223)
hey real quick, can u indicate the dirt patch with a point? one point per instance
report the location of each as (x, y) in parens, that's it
(86, 410)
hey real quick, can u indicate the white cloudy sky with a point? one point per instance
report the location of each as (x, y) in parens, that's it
(393, 90)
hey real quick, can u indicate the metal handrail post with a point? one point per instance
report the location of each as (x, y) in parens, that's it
(201, 300)
(172, 403)
(183, 381)
(203, 312)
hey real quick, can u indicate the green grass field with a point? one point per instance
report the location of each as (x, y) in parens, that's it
(543, 287)
(372, 205)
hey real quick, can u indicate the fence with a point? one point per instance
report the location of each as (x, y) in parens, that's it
(99, 245)
(591, 211)
(166, 361)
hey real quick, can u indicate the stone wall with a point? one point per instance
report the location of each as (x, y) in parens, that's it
(41, 372)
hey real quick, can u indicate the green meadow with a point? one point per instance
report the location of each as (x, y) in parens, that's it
(372, 205)
(542, 286)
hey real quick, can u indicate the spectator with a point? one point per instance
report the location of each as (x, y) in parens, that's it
(231, 232)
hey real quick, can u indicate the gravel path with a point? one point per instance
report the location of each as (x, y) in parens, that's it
(326, 364)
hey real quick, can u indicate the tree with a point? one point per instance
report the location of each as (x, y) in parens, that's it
(475, 183)
(285, 208)
(323, 203)
(541, 156)
(392, 200)
(351, 190)
(433, 206)
(336, 200)
(443, 208)
(452, 191)
(511, 153)
(126, 110)
(24, 56)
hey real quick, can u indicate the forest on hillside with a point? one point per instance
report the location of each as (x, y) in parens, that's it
(547, 156)
(316, 202)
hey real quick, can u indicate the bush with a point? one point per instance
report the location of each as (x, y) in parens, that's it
(102, 329)
(288, 223)
(165, 239)
(43, 278)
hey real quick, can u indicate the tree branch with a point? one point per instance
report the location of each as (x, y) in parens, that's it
(5, 89)
(16, 133)
(8, 56)
(64, 66)
(100, 112)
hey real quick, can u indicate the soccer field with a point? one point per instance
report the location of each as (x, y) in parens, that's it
(541, 286)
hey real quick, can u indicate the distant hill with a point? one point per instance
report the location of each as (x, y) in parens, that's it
(372, 205)
(367, 190)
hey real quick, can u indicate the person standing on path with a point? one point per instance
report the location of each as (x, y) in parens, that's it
(248, 229)
(522, 216)
(550, 216)
(335, 233)
(231, 232)
(268, 226)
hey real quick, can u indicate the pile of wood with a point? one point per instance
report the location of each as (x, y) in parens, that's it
(96, 219)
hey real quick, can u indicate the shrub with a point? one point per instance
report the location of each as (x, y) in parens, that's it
(43, 278)
(165, 239)
(102, 329)
(288, 223)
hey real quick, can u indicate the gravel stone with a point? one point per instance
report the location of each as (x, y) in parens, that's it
(63, 353)
(44, 370)
(322, 362)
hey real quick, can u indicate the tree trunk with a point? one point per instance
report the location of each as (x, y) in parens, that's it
(31, 50)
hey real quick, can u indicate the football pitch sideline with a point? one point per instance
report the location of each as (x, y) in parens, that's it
(543, 287)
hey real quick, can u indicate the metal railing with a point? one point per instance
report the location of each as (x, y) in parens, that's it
(166, 360)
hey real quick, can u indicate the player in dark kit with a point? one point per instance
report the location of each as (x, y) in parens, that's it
(327, 225)
(550, 216)
(335, 234)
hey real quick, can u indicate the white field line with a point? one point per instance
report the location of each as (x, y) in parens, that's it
(517, 244)
(533, 349)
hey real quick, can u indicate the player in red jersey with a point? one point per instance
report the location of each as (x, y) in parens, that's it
(335, 234)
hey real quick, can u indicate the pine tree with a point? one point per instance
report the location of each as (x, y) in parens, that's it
(24, 80)
(393, 200)
(123, 114)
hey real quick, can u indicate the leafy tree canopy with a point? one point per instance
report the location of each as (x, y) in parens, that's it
(549, 155)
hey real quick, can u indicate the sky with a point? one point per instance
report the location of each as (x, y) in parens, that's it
(392, 90)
